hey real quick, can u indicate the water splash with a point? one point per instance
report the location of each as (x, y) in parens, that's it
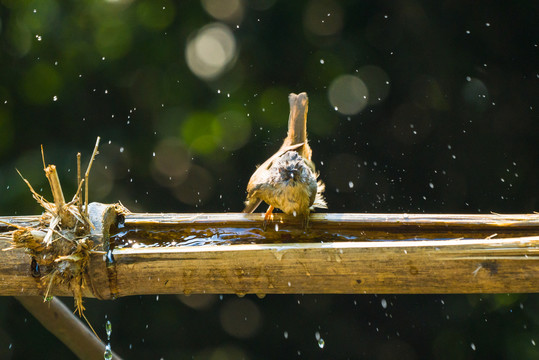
(108, 349)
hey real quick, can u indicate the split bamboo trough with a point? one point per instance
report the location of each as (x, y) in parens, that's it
(336, 254)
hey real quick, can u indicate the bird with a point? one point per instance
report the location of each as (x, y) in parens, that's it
(288, 179)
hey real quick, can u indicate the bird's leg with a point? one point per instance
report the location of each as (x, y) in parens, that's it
(306, 221)
(268, 216)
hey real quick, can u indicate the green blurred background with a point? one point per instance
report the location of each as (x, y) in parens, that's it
(415, 106)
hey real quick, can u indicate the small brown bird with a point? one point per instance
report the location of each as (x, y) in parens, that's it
(288, 179)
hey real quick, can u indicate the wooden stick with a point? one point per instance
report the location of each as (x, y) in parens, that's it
(339, 253)
(61, 322)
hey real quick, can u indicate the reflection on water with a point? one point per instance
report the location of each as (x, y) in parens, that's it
(169, 237)
(143, 236)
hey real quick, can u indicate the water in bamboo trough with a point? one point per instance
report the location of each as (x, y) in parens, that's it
(176, 230)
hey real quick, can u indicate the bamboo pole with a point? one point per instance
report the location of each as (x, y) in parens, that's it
(338, 253)
(59, 320)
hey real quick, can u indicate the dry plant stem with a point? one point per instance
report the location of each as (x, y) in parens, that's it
(79, 179)
(68, 220)
(61, 322)
(48, 238)
(40, 199)
(56, 188)
(86, 175)
(54, 181)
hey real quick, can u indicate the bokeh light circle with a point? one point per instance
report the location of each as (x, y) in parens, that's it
(211, 51)
(348, 94)
(241, 318)
(225, 10)
(377, 82)
(475, 93)
(170, 163)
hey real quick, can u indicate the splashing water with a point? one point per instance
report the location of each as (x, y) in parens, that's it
(108, 349)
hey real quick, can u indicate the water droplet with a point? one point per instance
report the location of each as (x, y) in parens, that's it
(108, 352)
(321, 342)
(431, 185)
(54, 98)
(276, 227)
(109, 258)
(322, 61)
(350, 184)
(384, 303)
(285, 334)
(108, 329)
(472, 345)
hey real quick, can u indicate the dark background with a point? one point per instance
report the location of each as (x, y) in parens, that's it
(436, 113)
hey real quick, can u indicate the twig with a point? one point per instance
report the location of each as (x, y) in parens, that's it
(86, 176)
(43, 157)
(79, 182)
(40, 199)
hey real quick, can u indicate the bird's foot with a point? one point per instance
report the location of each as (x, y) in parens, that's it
(268, 216)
